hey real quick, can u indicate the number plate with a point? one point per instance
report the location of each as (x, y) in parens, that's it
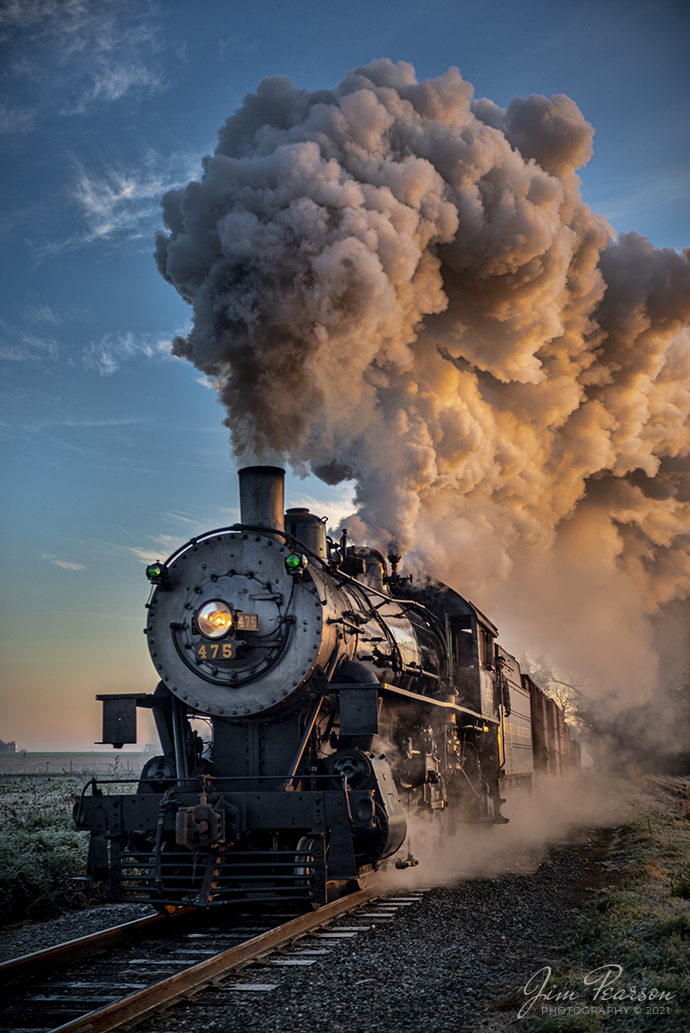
(247, 621)
(211, 651)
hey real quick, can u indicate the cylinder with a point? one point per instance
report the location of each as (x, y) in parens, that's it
(262, 497)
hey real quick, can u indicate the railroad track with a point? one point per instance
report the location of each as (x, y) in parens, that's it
(113, 984)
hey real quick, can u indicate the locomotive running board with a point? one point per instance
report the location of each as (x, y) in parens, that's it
(429, 701)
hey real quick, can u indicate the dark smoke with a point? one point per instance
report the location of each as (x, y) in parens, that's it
(395, 283)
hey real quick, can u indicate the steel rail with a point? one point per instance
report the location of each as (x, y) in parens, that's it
(29, 965)
(146, 1002)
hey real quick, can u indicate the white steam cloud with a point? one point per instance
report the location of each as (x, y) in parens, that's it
(399, 284)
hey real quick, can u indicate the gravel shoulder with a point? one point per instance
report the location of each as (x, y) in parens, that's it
(27, 937)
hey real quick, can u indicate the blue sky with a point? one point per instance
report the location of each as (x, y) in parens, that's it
(113, 451)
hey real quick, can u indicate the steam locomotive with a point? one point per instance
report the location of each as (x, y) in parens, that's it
(310, 700)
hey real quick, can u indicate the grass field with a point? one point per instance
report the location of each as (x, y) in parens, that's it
(639, 924)
(94, 763)
(41, 852)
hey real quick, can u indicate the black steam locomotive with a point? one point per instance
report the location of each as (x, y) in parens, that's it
(310, 700)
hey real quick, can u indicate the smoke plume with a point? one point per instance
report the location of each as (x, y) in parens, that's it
(395, 283)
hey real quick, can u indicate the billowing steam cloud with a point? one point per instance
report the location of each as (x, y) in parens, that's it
(397, 284)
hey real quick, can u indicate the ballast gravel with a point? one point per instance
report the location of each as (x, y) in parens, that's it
(457, 960)
(27, 937)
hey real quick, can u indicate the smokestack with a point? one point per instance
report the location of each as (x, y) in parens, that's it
(262, 496)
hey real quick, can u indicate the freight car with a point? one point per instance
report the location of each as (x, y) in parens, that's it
(310, 700)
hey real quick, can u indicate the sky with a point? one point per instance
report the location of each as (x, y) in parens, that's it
(114, 451)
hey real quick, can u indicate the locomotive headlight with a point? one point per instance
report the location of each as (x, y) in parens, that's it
(215, 619)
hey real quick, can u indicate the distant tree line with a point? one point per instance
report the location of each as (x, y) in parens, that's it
(8, 747)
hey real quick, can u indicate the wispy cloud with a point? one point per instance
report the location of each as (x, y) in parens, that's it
(42, 335)
(112, 350)
(16, 119)
(65, 564)
(119, 199)
(113, 82)
(211, 383)
(160, 547)
(235, 44)
(168, 541)
(121, 205)
(180, 518)
(107, 354)
(146, 554)
(68, 421)
(20, 346)
(43, 314)
(74, 56)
